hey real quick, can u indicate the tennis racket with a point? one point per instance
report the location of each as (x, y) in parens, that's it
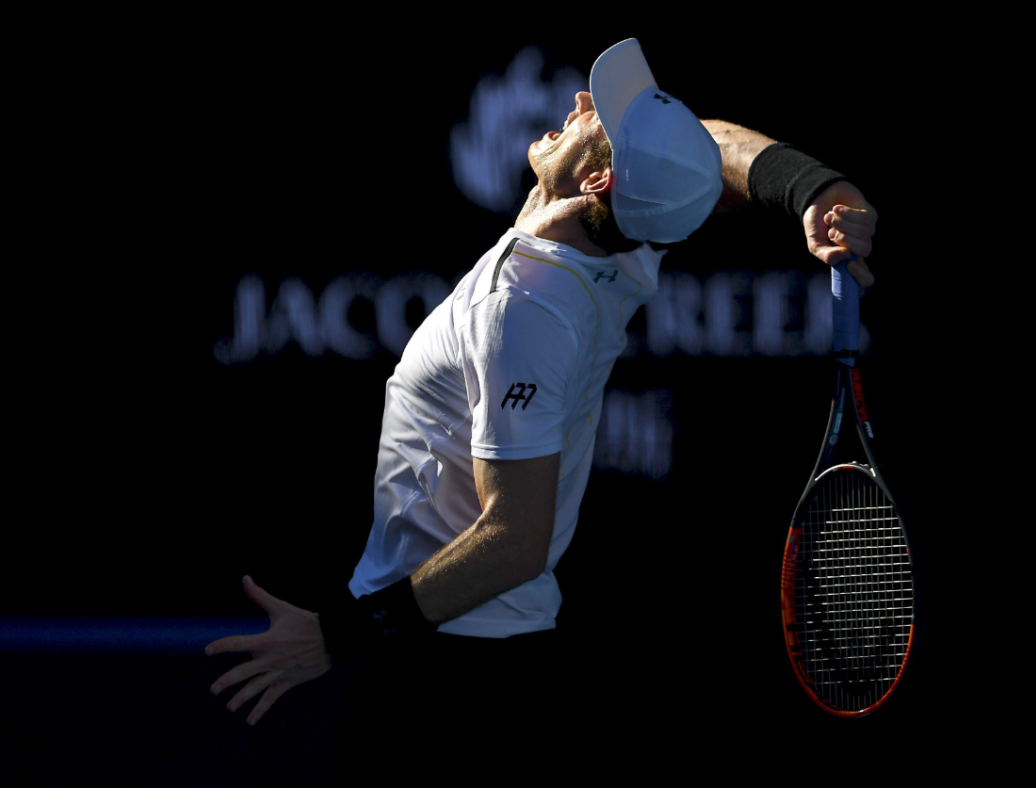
(847, 584)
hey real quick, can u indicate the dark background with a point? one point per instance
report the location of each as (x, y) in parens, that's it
(165, 476)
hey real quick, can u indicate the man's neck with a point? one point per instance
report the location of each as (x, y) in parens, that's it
(557, 219)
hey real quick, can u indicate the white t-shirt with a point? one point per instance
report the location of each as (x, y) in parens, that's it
(511, 366)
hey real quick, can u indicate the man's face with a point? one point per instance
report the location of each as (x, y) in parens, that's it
(559, 158)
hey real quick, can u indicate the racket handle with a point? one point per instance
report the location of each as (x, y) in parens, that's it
(845, 312)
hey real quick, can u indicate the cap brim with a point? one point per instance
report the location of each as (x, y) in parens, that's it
(618, 76)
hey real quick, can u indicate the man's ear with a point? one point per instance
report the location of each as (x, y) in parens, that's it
(597, 183)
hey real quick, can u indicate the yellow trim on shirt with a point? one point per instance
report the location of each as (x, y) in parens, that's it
(597, 326)
(593, 349)
(618, 326)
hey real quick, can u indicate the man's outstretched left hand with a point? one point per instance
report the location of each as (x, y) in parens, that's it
(289, 653)
(839, 224)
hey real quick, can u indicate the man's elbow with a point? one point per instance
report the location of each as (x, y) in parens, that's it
(535, 562)
(528, 555)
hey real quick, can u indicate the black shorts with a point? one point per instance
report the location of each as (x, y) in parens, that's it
(454, 703)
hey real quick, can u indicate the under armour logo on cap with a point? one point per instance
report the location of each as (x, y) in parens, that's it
(670, 165)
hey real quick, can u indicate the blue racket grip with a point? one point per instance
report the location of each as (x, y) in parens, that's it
(845, 312)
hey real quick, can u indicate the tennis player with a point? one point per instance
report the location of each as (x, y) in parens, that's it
(448, 622)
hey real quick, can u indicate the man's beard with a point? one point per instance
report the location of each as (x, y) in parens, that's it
(546, 174)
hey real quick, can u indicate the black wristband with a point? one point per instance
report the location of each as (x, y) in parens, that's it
(362, 627)
(782, 175)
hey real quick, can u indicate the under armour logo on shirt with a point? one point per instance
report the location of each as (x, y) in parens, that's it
(519, 396)
(602, 275)
(664, 99)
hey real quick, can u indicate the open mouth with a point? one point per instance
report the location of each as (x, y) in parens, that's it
(553, 135)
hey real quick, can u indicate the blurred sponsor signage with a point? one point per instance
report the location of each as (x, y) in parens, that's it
(724, 314)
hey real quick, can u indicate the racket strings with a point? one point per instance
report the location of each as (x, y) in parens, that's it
(853, 592)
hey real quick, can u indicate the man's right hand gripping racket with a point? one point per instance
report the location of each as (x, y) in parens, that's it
(847, 585)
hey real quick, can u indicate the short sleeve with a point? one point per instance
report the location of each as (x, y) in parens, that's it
(519, 357)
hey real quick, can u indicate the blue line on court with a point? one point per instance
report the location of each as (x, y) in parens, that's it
(123, 635)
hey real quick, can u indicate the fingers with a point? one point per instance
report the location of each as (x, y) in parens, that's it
(234, 643)
(269, 603)
(833, 255)
(266, 701)
(844, 213)
(851, 228)
(838, 232)
(858, 246)
(259, 596)
(267, 681)
(819, 244)
(861, 273)
(237, 675)
(251, 689)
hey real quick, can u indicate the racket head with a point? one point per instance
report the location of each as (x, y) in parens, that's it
(847, 592)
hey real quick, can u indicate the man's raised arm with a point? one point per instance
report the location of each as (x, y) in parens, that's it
(739, 147)
(836, 218)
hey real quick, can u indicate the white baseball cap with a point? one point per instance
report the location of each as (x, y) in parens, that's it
(665, 163)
